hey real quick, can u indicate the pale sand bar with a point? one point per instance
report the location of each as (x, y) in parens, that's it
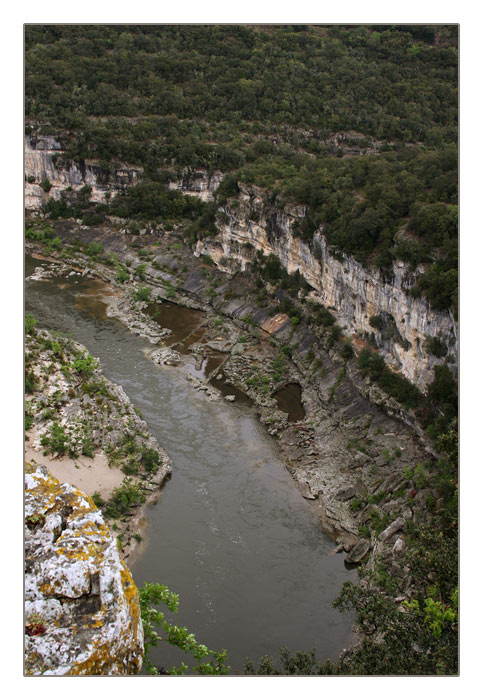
(88, 474)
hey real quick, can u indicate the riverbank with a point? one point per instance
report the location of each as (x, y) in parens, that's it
(84, 429)
(352, 455)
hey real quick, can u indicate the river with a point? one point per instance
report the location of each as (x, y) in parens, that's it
(230, 533)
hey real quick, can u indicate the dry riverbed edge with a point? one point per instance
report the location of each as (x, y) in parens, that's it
(350, 482)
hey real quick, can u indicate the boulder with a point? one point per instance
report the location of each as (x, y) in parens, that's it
(391, 529)
(82, 614)
(358, 552)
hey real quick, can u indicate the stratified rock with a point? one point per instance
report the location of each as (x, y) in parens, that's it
(358, 552)
(81, 605)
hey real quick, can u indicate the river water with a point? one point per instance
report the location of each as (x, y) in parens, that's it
(230, 533)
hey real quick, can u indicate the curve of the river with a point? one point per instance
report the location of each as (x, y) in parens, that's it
(231, 533)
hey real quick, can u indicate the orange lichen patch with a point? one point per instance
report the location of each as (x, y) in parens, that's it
(97, 664)
(132, 596)
(30, 468)
(275, 323)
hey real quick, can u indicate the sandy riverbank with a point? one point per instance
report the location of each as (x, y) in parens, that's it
(90, 475)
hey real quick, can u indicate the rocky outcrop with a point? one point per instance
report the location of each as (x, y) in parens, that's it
(198, 183)
(44, 160)
(82, 614)
(354, 294)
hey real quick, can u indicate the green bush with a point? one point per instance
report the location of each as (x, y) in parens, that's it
(371, 364)
(123, 498)
(142, 293)
(30, 323)
(84, 364)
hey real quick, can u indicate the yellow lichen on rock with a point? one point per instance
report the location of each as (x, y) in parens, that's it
(77, 588)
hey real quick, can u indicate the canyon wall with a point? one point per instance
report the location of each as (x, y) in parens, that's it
(44, 159)
(354, 294)
(401, 324)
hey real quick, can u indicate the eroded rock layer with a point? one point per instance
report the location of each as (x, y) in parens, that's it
(354, 294)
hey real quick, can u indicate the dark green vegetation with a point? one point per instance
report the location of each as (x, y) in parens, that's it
(357, 123)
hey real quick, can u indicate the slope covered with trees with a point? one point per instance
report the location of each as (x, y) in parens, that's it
(359, 123)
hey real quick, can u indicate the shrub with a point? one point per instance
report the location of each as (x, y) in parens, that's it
(124, 497)
(46, 185)
(151, 459)
(435, 346)
(56, 440)
(142, 293)
(30, 323)
(347, 351)
(122, 276)
(84, 364)
(140, 271)
(98, 500)
(95, 249)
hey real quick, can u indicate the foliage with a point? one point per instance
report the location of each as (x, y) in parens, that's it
(98, 500)
(299, 663)
(207, 662)
(142, 293)
(95, 249)
(122, 275)
(281, 107)
(151, 459)
(84, 364)
(435, 346)
(30, 323)
(56, 440)
(123, 498)
(371, 364)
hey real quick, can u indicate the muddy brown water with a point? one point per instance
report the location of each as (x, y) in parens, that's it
(230, 533)
(289, 400)
(181, 321)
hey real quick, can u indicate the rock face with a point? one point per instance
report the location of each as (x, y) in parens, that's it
(356, 295)
(198, 184)
(44, 160)
(353, 293)
(82, 613)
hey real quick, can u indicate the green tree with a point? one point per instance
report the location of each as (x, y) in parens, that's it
(157, 629)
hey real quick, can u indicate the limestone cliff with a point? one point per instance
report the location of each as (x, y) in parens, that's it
(353, 293)
(44, 159)
(197, 183)
(82, 614)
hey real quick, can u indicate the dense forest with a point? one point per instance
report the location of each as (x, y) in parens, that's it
(359, 123)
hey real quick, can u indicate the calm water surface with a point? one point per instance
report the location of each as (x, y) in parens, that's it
(230, 534)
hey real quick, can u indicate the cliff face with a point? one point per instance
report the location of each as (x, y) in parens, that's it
(44, 160)
(198, 184)
(82, 613)
(353, 293)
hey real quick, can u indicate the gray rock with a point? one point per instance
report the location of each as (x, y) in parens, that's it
(358, 552)
(399, 546)
(391, 529)
(345, 494)
(230, 397)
